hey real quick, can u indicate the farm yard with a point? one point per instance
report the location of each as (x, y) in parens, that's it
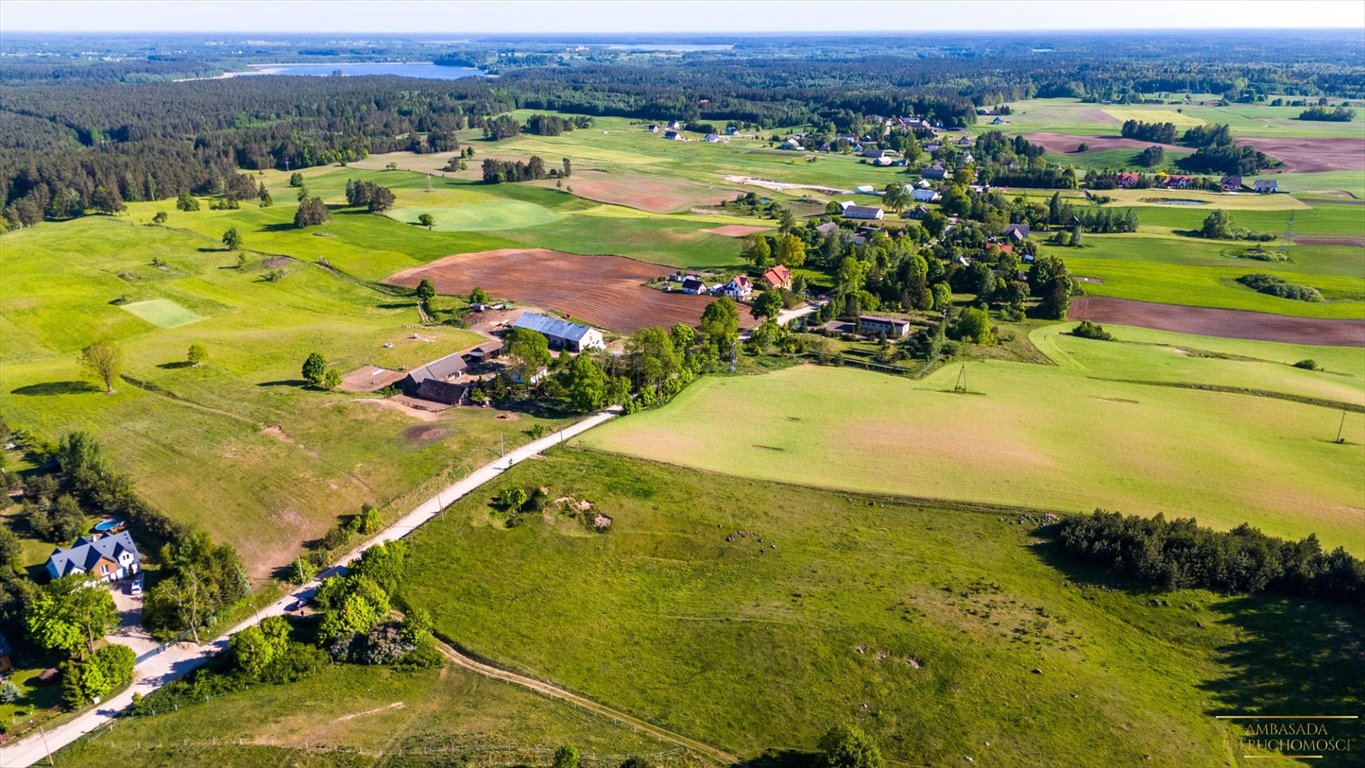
(605, 291)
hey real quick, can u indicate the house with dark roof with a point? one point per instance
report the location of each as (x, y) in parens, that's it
(1017, 232)
(1265, 186)
(652, 128)
(673, 136)
(883, 326)
(436, 370)
(935, 172)
(778, 277)
(437, 391)
(484, 352)
(694, 285)
(1231, 183)
(562, 334)
(107, 558)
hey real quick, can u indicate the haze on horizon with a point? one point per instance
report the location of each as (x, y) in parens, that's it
(597, 17)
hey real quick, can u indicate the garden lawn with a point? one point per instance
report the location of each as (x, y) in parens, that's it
(1025, 435)
(752, 615)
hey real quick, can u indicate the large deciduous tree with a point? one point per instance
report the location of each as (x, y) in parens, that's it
(104, 361)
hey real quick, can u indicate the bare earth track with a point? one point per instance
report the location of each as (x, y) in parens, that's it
(605, 291)
(1228, 323)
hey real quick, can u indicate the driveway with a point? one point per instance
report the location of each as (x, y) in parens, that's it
(130, 631)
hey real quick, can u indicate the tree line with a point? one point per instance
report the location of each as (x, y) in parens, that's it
(499, 171)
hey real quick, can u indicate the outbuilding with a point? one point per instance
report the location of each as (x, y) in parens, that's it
(561, 334)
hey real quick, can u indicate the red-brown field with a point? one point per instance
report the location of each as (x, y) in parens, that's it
(646, 193)
(1312, 155)
(1228, 323)
(604, 291)
(736, 230)
(1067, 142)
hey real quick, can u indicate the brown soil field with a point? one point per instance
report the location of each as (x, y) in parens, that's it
(645, 193)
(1330, 240)
(368, 378)
(736, 230)
(605, 291)
(1312, 155)
(1228, 323)
(1067, 143)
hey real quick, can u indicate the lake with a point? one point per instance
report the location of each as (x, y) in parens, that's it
(422, 69)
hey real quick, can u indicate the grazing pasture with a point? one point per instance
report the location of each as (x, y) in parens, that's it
(1023, 434)
(751, 615)
(605, 291)
(162, 313)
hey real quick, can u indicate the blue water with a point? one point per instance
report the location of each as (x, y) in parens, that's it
(423, 69)
(107, 525)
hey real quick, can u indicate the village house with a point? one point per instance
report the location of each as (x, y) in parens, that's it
(1000, 121)
(872, 325)
(1017, 232)
(792, 143)
(874, 154)
(1265, 186)
(673, 136)
(738, 288)
(1177, 182)
(935, 171)
(925, 196)
(1231, 183)
(964, 142)
(711, 138)
(731, 130)
(1128, 180)
(827, 228)
(652, 128)
(852, 211)
(919, 212)
(778, 277)
(562, 334)
(106, 558)
(694, 285)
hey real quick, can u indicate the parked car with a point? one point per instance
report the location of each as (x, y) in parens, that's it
(135, 588)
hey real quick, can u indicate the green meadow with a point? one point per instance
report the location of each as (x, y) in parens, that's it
(236, 445)
(1064, 115)
(750, 615)
(1029, 436)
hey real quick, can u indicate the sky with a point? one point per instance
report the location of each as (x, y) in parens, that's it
(676, 16)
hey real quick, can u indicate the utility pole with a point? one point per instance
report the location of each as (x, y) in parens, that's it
(1341, 427)
(46, 748)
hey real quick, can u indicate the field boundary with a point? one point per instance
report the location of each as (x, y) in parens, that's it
(1335, 405)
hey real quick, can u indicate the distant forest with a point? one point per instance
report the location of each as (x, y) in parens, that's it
(78, 133)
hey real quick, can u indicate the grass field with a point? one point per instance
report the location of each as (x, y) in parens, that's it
(235, 445)
(923, 624)
(368, 716)
(162, 313)
(1073, 116)
(1030, 436)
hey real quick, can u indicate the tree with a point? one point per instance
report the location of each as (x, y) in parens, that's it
(296, 179)
(768, 304)
(1217, 226)
(974, 325)
(197, 355)
(116, 664)
(848, 746)
(425, 290)
(104, 361)
(10, 547)
(69, 611)
(566, 757)
(314, 369)
(720, 325)
(478, 296)
(791, 251)
(82, 682)
(311, 212)
(528, 352)
(586, 384)
(1052, 284)
(897, 197)
(427, 220)
(756, 250)
(159, 218)
(331, 379)
(232, 239)
(943, 296)
(652, 359)
(186, 203)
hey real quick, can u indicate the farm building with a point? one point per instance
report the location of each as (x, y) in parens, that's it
(1231, 183)
(738, 288)
(827, 228)
(919, 212)
(673, 136)
(925, 196)
(437, 370)
(778, 277)
(1017, 232)
(792, 143)
(484, 352)
(935, 172)
(1265, 186)
(437, 391)
(1000, 121)
(694, 285)
(711, 138)
(652, 128)
(883, 326)
(865, 189)
(1128, 180)
(964, 142)
(561, 333)
(107, 558)
(873, 154)
(861, 211)
(731, 130)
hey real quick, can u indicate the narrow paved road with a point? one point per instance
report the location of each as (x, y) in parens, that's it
(157, 668)
(555, 692)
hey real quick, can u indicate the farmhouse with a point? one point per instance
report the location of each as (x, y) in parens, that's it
(1000, 121)
(652, 128)
(883, 326)
(562, 333)
(738, 288)
(1017, 232)
(711, 138)
(1265, 186)
(693, 285)
(778, 277)
(1128, 180)
(437, 370)
(861, 211)
(925, 196)
(673, 136)
(1177, 182)
(107, 558)
(875, 154)
(1231, 183)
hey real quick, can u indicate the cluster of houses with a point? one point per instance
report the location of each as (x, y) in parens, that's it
(1230, 183)
(674, 132)
(738, 288)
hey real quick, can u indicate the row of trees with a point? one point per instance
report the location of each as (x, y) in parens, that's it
(369, 195)
(1159, 133)
(1179, 554)
(499, 171)
(554, 125)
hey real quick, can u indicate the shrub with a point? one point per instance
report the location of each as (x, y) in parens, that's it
(1274, 286)
(1308, 365)
(1092, 330)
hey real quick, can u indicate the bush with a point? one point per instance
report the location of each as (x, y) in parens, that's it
(974, 325)
(1092, 330)
(1308, 365)
(1274, 286)
(116, 665)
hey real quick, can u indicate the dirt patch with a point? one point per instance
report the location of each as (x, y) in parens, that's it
(422, 410)
(1084, 279)
(1312, 155)
(368, 378)
(604, 291)
(279, 434)
(736, 230)
(1067, 143)
(423, 434)
(1227, 323)
(782, 186)
(275, 262)
(1353, 242)
(645, 193)
(376, 710)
